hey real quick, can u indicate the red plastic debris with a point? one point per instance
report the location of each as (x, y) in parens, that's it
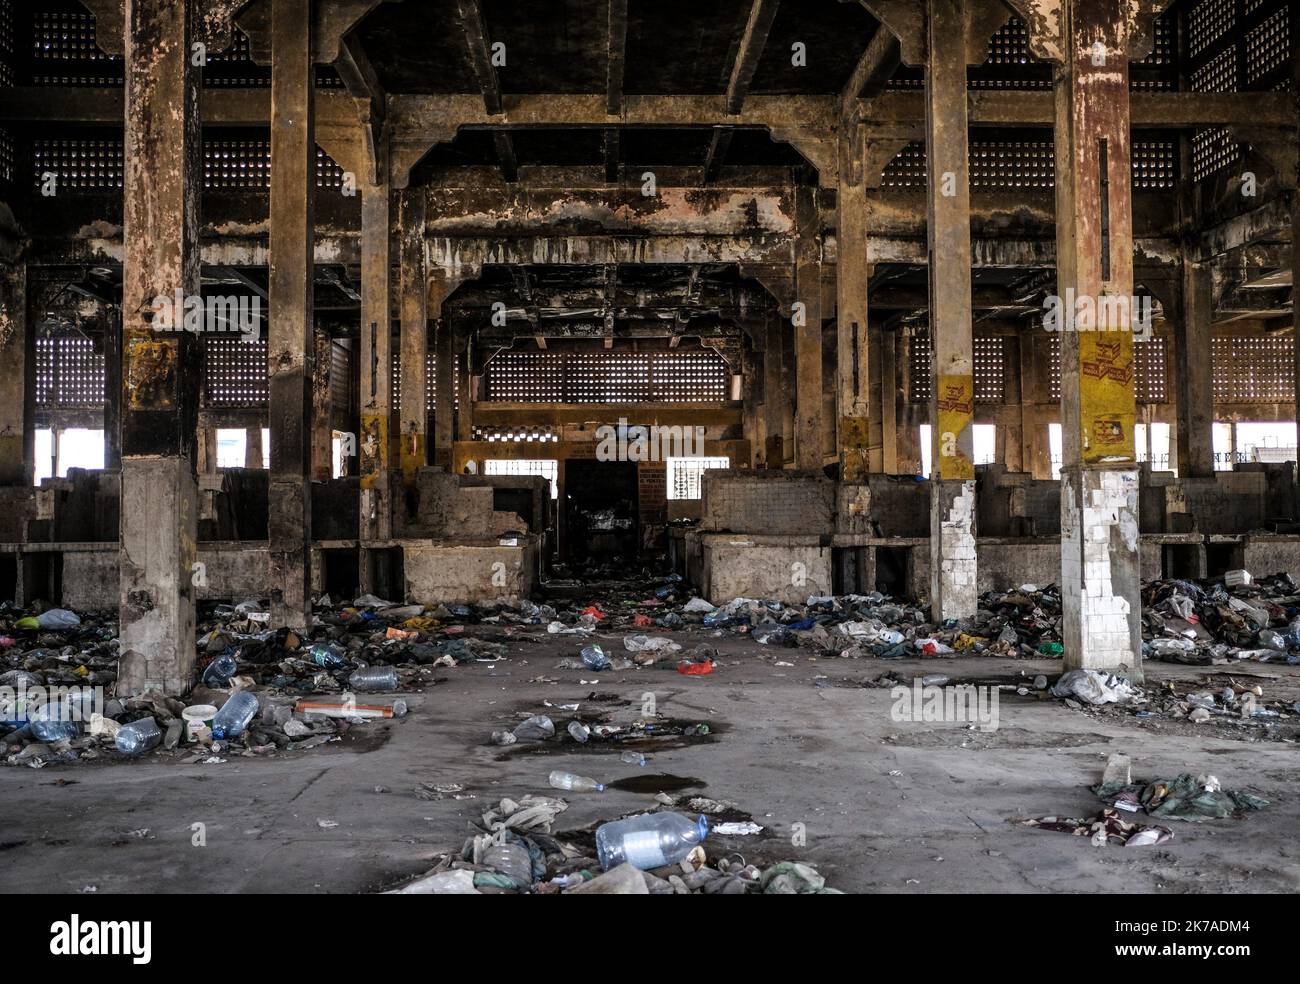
(695, 669)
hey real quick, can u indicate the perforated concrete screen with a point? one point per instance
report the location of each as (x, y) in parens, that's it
(1253, 369)
(605, 377)
(69, 373)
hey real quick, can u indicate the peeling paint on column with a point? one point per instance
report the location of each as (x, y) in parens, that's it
(954, 591)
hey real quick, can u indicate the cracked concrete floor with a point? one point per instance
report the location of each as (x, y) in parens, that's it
(886, 806)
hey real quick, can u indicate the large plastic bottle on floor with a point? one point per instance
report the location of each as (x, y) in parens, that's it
(219, 671)
(650, 840)
(54, 722)
(234, 716)
(374, 679)
(574, 783)
(138, 737)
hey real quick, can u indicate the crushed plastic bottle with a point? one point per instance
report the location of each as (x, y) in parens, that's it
(53, 722)
(650, 840)
(632, 758)
(374, 679)
(329, 655)
(594, 658)
(579, 732)
(234, 716)
(219, 671)
(536, 728)
(574, 783)
(140, 736)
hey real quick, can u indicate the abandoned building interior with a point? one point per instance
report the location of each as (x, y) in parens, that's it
(453, 301)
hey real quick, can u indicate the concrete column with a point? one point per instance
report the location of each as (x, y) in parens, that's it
(112, 322)
(1094, 247)
(160, 389)
(888, 372)
(254, 454)
(290, 344)
(953, 592)
(776, 396)
(853, 380)
(1195, 319)
(376, 358)
(415, 337)
(322, 424)
(444, 400)
(808, 330)
(17, 381)
(751, 393)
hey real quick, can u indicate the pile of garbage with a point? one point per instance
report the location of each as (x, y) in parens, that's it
(663, 852)
(1221, 621)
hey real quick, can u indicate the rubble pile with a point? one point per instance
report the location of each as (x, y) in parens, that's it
(1204, 623)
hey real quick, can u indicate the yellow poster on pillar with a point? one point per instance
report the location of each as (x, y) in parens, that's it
(1107, 405)
(955, 412)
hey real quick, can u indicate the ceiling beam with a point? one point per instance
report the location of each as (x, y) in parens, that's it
(612, 157)
(752, 42)
(472, 24)
(877, 65)
(719, 144)
(615, 56)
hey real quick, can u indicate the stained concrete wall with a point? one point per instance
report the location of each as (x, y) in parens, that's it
(445, 574)
(788, 569)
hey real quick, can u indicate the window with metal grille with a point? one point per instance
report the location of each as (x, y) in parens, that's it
(69, 372)
(1209, 21)
(430, 375)
(541, 435)
(606, 377)
(1268, 46)
(1003, 165)
(6, 43)
(686, 475)
(990, 369)
(1149, 363)
(547, 468)
(918, 359)
(1253, 369)
(234, 372)
(79, 165)
(245, 165)
(6, 157)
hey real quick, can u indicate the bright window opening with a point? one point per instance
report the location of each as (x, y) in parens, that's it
(986, 444)
(266, 447)
(547, 468)
(685, 475)
(339, 454)
(80, 447)
(1266, 441)
(1223, 456)
(44, 454)
(1159, 448)
(925, 450)
(1055, 449)
(232, 447)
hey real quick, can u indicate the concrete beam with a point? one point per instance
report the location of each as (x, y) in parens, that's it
(615, 55)
(290, 341)
(752, 42)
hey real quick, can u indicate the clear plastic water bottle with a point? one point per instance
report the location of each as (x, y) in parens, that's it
(650, 840)
(219, 671)
(594, 658)
(138, 737)
(234, 716)
(574, 783)
(579, 732)
(53, 722)
(632, 758)
(374, 679)
(328, 655)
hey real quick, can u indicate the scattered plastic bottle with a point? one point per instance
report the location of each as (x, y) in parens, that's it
(53, 722)
(579, 732)
(650, 840)
(1270, 639)
(234, 716)
(219, 671)
(594, 658)
(329, 655)
(536, 728)
(632, 758)
(138, 737)
(574, 783)
(373, 679)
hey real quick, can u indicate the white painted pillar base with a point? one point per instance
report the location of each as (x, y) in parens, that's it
(1100, 577)
(954, 591)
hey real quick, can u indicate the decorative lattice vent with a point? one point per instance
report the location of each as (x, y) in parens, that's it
(1253, 369)
(69, 373)
(606, 377)
(1149, 358)
(234, 372)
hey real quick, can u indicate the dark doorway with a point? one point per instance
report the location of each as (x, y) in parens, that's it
(600, 510)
